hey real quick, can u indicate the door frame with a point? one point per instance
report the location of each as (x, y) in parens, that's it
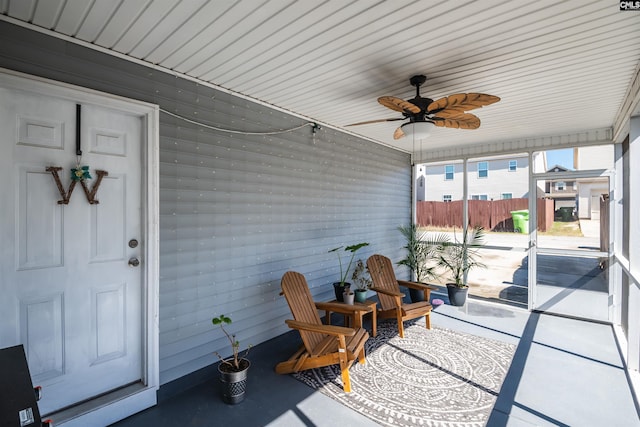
(533, 250)
(121, 403)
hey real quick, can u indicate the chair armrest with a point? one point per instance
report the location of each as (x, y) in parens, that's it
(323, 329)
(388, 292)
(342, 308)
(416, 285)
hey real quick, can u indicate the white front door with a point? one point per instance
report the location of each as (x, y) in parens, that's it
(68, 293)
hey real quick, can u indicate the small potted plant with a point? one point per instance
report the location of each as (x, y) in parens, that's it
(362, 281)
(420, 250)
(459, 257)
(339, 287)
(348, 296)
(233, 371)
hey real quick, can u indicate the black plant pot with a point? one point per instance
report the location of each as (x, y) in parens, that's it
(339, 290)
(457, 295)
(234, 383)
(416, 295)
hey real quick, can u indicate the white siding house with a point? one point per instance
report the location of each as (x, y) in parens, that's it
(489, 179)
(591, 190)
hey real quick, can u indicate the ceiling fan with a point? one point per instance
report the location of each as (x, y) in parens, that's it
(422, 113)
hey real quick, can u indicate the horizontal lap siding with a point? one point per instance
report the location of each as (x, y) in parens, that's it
(237, 211)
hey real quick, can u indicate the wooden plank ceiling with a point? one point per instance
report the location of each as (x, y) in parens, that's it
(559, 67)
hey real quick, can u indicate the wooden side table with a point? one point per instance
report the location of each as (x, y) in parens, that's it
(355, 317)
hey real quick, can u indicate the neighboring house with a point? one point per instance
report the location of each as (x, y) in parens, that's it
(505, 177)
(583, 194)
(591, 190)
(562, 191)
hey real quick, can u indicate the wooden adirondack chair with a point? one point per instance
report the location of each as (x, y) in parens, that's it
(323, 345)
(388, 288)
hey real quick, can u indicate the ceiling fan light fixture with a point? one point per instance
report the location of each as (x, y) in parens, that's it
(417, 130)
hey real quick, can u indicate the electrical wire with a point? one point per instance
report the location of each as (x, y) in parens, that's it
(314, 126)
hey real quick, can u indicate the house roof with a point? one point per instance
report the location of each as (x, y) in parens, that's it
(557, 168)
(566, 72)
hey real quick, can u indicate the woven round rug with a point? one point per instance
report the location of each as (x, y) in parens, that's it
(437, 377)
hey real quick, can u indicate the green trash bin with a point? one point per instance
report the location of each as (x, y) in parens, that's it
(566, 214)
(520, 221)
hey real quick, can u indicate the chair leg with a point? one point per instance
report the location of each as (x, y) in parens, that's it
(346, 380)
(427, 320)
(400, 324)
(361, 357)
(344, 364)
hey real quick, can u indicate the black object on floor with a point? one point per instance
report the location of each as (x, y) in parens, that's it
(18, 405)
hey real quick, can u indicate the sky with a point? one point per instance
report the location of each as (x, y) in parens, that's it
(560, 157)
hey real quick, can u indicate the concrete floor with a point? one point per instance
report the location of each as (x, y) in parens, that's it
(565, 372)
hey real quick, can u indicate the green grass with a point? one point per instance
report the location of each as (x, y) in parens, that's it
(564, 229)
(559, 228)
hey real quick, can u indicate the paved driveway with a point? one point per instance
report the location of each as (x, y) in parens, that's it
(506, 275)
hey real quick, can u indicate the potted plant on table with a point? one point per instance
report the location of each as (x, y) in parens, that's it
(459, 257)
(420, 250)
(362, 280)
(233, 371)
(340, 287)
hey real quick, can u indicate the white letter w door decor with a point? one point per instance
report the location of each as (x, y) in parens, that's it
(79, 173)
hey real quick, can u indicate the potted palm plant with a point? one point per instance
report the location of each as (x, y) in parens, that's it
(459, 257)
(340, 287)
(362, 280)
(421, 256)
(233, 370)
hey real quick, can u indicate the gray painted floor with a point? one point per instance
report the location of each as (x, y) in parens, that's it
(565, 372)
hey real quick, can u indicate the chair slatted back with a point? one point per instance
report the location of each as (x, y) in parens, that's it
(383, 276)
(296, 291)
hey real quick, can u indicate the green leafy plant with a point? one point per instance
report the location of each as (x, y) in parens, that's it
(460, 256)
(420, 249)
(360, 276)
(233, 362)
(353, 249)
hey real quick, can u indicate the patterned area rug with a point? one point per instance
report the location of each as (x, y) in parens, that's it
(436, 377)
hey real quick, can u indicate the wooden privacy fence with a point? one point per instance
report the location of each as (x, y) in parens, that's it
(494, 215)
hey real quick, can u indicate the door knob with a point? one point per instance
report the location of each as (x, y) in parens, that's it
(134, 262)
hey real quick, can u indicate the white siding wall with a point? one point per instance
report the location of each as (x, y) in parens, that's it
(597, 157)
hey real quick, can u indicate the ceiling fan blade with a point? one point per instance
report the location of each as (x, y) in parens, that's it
(449, 113)
(398, 104)
(457, 121)
(462, 102)
(376, 121)
(398, 133)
